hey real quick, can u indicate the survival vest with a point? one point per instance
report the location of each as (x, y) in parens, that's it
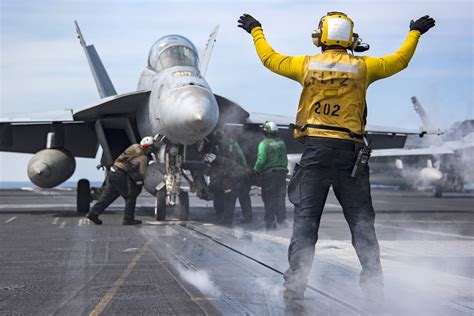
(129, 161)
(332, 103)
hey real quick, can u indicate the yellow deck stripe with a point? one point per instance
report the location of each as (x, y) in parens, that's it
(99, 308)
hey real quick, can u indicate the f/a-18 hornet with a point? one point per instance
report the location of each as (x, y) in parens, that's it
(173, 102)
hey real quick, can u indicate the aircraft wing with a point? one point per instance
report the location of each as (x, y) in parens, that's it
(117, 105)
(380, 137)
(27, 133)
(403, 152)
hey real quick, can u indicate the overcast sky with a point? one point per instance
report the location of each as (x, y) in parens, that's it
(43, 67)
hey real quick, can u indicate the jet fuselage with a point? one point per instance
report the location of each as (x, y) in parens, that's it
(181, 106)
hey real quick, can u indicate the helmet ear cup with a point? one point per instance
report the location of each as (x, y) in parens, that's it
(316, 36)
(357, 45)
(355, 41)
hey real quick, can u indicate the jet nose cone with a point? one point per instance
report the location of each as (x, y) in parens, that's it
(199, 111)
(195, 115)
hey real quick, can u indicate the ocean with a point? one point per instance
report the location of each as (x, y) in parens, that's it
(28, 184)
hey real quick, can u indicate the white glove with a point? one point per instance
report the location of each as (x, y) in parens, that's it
(210, 157)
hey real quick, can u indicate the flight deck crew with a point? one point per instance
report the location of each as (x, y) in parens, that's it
(125, 178)
(271, 165)
(330, 121)
(229, 179)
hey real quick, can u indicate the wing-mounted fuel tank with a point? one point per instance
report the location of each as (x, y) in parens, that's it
(51, 167)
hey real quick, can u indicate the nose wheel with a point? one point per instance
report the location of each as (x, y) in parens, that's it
(183, 206)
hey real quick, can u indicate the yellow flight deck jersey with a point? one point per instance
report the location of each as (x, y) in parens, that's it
(334, 84)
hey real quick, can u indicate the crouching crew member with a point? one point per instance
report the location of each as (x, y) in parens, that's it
(125, 178)
(271, 165)
(330, 121)
(229, 178)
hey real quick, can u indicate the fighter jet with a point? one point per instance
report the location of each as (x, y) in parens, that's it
(173, 102)
(442, 162)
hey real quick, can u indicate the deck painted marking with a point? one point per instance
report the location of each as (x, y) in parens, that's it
(83, 221)
(99, 308)
(11, 219)
(62, 225)
(423, 231)
(55, 221)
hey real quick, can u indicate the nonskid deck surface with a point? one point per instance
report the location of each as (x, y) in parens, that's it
(56, 262)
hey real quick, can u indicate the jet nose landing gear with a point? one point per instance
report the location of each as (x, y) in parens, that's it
(161, 206)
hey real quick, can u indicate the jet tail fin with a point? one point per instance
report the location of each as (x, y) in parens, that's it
(426, 122)
(425, 119)
(102, 79)
(207, 51)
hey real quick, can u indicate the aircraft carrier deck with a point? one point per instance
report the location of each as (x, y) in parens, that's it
(54, 261)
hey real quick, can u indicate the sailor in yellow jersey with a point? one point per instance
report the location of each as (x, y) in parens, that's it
(330, 121)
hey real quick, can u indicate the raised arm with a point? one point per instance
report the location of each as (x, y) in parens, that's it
(289, 66)
(383, 67)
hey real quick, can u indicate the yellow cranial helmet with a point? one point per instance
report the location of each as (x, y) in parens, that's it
(335, 29)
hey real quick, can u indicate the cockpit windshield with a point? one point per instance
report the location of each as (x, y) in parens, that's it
(171, 51)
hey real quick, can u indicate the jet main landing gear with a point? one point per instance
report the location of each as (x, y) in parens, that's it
(84, 197)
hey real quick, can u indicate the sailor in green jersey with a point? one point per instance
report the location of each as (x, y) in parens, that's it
(272, 164)
(230, 178)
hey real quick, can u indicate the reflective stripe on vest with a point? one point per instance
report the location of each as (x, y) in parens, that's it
(333, 95)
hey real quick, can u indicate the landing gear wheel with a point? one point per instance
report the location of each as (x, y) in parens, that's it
(160, 206)
(83, 198)
(438, 191)
(183, 206)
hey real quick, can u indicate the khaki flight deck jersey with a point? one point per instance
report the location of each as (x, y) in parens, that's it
(334, 84)
(133, 161)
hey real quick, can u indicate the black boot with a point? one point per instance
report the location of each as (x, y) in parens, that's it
(131, 221)
(292, 295)
(94, 218)
(246, 220)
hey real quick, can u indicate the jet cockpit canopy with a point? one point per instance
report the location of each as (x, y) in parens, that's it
(170, 51)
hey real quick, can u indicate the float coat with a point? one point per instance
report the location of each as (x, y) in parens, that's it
(133, 161)
(272, 155)
(334, 83)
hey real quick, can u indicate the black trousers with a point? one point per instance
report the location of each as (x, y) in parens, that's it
(273, 196)
(118, 183)
(226, 195)
(320, 168)
(224, 204)
(243, 194)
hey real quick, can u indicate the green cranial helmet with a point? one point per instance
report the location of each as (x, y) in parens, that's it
(270, 127)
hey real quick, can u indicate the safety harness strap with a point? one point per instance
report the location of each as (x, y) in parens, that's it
(327, 127)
